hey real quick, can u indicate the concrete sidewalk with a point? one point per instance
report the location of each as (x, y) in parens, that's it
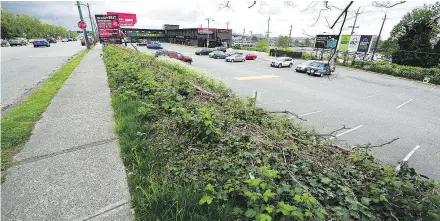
(71, 168)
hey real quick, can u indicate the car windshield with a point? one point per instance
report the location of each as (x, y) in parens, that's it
(317, 64)
(281, 59)
(306, 63)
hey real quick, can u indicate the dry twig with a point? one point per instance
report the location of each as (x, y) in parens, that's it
(332, 133)
(366, 146)
(288, 112)
(202, 90)
(386, 4)
(255, 2)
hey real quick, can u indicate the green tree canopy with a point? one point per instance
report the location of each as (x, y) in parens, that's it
(416, 35)
(19, 25)
(262, 45)
(283, 42)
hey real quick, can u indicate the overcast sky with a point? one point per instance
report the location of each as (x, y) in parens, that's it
(190, 14)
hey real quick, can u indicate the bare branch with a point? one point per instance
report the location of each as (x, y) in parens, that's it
(311, 5)
(332, 133)
(288, 112)
(289, 4)
(307, 34)
(255, 2)
(391, 213)
(379, 145)
(320, 11)
(386, 4)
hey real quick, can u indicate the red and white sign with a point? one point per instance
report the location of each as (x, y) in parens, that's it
(205, 30)
(82, 25)
(223, 30)
(125, 19)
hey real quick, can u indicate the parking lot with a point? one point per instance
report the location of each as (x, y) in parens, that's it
(375, 108)
(23, 68)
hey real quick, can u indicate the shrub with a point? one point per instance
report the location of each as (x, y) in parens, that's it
(194, 151)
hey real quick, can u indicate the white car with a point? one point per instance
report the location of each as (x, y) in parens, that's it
(235, 57)
(65, 40)
(282, 62)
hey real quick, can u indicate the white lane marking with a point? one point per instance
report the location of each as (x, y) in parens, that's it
(404, 103)
(371, 96)
(400, 94)
(274, 102)
(348, 131)
(432, 88)
(314, 112)
(407, 157)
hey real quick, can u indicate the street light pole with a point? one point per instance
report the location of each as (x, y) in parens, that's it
(207, 36)
(91, 20)
(85, 29)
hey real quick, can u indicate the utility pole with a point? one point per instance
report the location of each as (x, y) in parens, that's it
(355, 19)
(85, 29)
(290, 34)
(227, 25)
(378, 37)
(91, 21)
(244, 30)
(267, 33)
(207, 34)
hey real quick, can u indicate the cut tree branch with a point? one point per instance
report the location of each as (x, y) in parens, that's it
(386, 4)
(255, 2)
(288, 112)
(379, 145)
(332, 133)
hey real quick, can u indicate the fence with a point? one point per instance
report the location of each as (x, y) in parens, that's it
(281, 53)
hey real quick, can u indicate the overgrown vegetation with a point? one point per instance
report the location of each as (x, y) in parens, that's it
(195, 151)
(414, 73)
(17, 125)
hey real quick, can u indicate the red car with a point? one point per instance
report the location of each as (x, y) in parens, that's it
(250, 56)
(179, 56)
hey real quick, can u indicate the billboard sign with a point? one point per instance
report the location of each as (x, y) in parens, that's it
(108, 29)
(344, 43)
(205, 30)
(223, 30)
(354, 43)
(125, 19)
(326, 41)
(364, 43)
(373, 43)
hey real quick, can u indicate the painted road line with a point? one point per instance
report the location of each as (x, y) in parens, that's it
(407, 157)
(404, 103)
(400, 94)
(314, 112)
(255, 77)
(345, 132)
(432, 88)
(274, 102)
(371, 96)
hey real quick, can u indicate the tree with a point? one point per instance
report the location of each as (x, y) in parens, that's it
(416, 35)
(282, 41)
(262, 45)
(307, 42)
(387, 48)
(296, 42)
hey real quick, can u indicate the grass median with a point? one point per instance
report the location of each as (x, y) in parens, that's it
(193, 150)
(17, 124)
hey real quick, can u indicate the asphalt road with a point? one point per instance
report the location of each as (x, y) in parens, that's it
(376, 108)
(24, 68)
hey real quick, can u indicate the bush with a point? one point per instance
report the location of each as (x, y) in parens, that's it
(194, 151)
(415, 73)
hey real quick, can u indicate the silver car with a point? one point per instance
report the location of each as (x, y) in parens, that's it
(304, 66)
(235, 57)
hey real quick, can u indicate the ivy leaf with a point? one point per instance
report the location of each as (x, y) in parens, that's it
(298, 198)
(237, 211)
(264, 217)
(383, 198)
(268, 194)
(308, 213)
(269, 209)
(250, 213)
(325, 180)
(365, 201)
(298, 214)
(263, 185)
(206, 199)
(209, 187)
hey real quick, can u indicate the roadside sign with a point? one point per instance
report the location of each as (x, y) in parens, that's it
(108, 29)
(82, 25)
(326, 41)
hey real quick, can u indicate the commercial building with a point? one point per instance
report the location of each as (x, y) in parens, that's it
(188, 36)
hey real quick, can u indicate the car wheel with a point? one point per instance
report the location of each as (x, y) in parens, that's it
(35, 46)
(290, 65)
(215, 57)
(254, 58)
(321, 74)
(244, 60)
(280, 65)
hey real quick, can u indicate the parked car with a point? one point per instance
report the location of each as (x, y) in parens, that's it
(31, 40)
(24, 39)
(154, 46)
(142, 42)
(282, 62)
(41, 42)
(16, 41)
(161, 52)
(51, 40)
(179, 56)
(235, 57)
(303, 67)
(250, 56)
(204, 51)
(229, 53)
(220, 49)
(319, 68)
(74, 39)
(70, 39)
(217, 55)
(4, 43)
(65, 40)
